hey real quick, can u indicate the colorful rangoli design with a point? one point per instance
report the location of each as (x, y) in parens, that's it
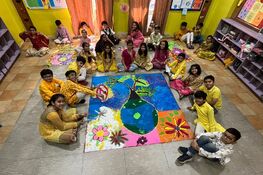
(140, 111)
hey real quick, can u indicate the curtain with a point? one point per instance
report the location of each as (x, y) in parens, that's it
(138, 11)
(80, 10)
(104, 11)
(161, 11)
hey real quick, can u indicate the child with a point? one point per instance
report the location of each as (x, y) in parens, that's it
(161, 55)
(90, 65)
(62, 34)
(78, 67)
(100, 45)
(151, 28)
(83, 39)
(182, 32)
(39, 41)
(214, 97)
(73, 92)
(49, 85)
(176, 68)
(205, 121)
(57, 125)
(142, 59)
(191, 35)
(109, 32)
(204, 50)
(128, 56)
(189, 84)
(108, 62)
(136, 35)
(197, 33)
(214, 146)
(84, 26)
(155, 38)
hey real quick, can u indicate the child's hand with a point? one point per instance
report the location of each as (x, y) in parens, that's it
(81, 122)
(195, 145)
(81, 116)
(190, 108)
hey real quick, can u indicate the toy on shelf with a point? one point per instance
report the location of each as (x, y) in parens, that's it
(231, 35)
(228, 61)
(246, 48)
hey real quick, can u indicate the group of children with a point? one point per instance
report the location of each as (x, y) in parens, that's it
(211, 141)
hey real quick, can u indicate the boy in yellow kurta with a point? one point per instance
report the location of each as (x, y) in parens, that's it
(205, 121)
(77, 66)
(204, 50)
(74, 93)
(49, 85)
(107, 60)
(57, 125)
(90, 58)
(176, 69)
(183, 30)
(214, 97)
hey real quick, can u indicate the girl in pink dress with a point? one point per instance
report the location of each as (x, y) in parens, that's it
(136, 35)
(161, 55)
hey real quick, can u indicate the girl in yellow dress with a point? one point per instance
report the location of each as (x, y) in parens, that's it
(90, 58)
(204, 50)
(106, 61)
(142, 59)
(57, 125)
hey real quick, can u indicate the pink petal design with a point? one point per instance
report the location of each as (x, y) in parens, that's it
(94, 130)
(95, 137)
(100, 128)
(106, 133)
(100, 139)
(105, 129)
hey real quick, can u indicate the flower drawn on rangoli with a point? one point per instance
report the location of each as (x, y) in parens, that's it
(118, 137)
(100, 133)
(179, 128)
(142, 140)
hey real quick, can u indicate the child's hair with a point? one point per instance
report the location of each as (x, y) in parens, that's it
(84, 44)
(182, 55)
(82, 24)
(33, 27)
(101, 36)
(166, 45)
(200, 94)
(81, 59)
(129, 42)
(140, 50)
(46, 72)
(184, 24)
(54, 98)
(57, 22)
(104, 53)
(69, 72)
(200, 24)
(210, 36)
(137, 25)
(198, 67)
(235, 132)
(210, 77)
(83, 31)
(157, 27)
(104, 22)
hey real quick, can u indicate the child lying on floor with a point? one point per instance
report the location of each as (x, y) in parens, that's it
(57, 125)
(212, 145)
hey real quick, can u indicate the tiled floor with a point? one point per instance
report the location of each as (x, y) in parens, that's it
(18, 90)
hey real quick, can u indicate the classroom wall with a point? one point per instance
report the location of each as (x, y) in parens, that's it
(120, 18)
(216, 12)
(11, 19)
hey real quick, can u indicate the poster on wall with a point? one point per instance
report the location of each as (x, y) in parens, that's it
(45, 4)
(187, 4)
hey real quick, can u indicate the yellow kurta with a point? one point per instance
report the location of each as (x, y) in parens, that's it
(92, 66)
(143, 62)
(213, 93)
(177, 68)
(69, 89)
(74, 66)
(109, 64)
(204, 51)
(48, 89)
(55, 123)
(206, 118)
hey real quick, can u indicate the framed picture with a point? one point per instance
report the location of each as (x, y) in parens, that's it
(193, 5)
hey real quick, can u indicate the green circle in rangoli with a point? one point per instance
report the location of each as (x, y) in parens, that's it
(137, 115)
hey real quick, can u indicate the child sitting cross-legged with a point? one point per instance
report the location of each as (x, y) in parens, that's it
(142, 59)
(190, 84)
(57, 125)
(161, 55)
(78, 67)
(216, 146)
(62, 34)
(176, 69)
(49, 85)
(205, 121)
(74, 93)
(90, 64)
(106, 61)
(204, 50)
(155, 38)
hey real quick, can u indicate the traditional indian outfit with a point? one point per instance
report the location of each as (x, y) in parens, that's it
(90, 64)
(204, 51)
(81, 72)
(111, 35)
(39, 41)
(136, 37)
(55, 123)
(62, 36)
(100, 46)
(107, 63)
(143, 62)
(87, 29)
(154, 40)
(181, 33)
(127, 61)
(176, 69)
(159, 59)
(48, 89)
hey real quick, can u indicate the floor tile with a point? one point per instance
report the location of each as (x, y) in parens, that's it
(15, 85)
(16, 105)
(245, 110)
(24, 94)
(30, 84)
(4, 133)
(4, 105)
(8, 94)
(256, 121)
(9, 119)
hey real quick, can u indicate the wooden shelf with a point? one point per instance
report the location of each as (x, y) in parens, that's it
(2, 32)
